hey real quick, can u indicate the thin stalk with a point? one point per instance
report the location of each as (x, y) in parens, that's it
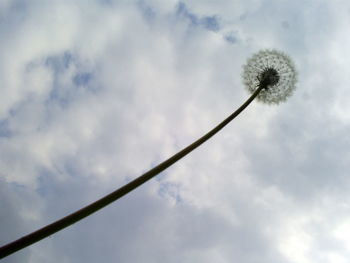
(60, 224)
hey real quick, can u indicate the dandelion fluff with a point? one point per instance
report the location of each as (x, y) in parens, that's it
(275, 71)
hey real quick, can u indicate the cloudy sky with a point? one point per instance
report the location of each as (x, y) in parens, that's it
(96, 92)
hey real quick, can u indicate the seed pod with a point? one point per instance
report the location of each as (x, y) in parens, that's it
(275, 71)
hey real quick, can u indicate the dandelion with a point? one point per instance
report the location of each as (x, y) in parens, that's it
(275, 71)
(269, 76)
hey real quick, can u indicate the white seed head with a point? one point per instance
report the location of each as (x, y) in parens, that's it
(275, 71)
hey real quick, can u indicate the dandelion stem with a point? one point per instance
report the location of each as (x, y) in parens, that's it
(60, 224)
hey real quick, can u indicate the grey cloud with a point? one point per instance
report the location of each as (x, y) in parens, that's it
(305, 158)
(17, 203)
(144, 227)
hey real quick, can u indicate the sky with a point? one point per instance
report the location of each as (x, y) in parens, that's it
(96, 92)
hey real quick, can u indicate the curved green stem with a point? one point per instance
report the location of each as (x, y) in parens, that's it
(60, 224)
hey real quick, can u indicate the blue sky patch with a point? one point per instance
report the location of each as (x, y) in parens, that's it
(170, 189)
(5, 130)
(81, 76)
(231, 38)
(59, 63)
(82, 79)
(210, 23)
(147, 11)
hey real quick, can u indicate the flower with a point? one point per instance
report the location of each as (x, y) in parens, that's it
(275, 71)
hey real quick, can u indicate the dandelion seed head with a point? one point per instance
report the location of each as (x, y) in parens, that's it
(275, 71)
